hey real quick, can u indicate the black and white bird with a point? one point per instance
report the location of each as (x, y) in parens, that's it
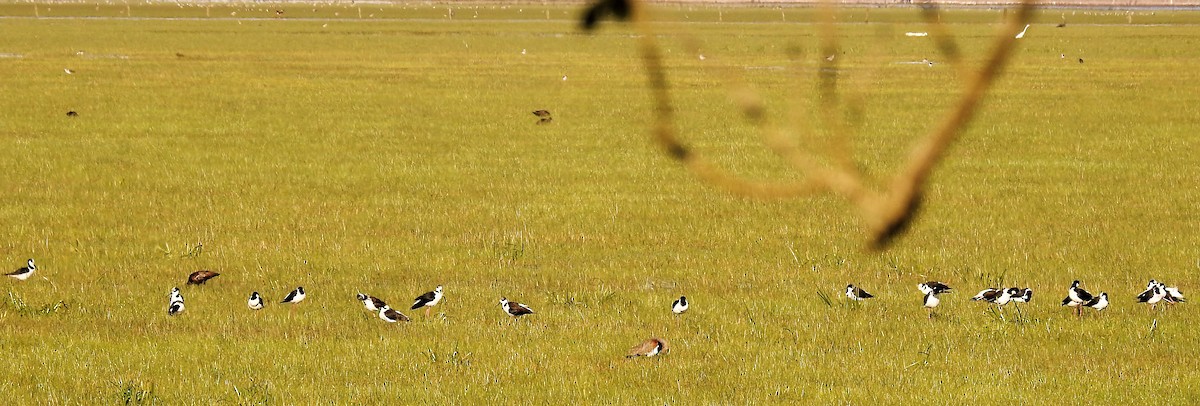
(1024, 296)
(255, 302)
(390, 315)
(987, 295)
(1006, 296)
(294, 296)
(648, 348)
(24, 272)
(514, 309)
(679, 305)
(1098, 302)
(931, 290)
(856, 293)
(934, 287)
(1078, 296)
(1173, 294)
(176, 304)
(1152, 295)
(428, 300)
(371, 303)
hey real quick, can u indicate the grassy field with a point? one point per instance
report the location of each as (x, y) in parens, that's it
(395, 153)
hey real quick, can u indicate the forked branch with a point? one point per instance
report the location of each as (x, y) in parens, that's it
(887, 208)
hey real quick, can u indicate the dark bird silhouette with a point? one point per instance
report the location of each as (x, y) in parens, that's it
(72, 113)
(199, 277)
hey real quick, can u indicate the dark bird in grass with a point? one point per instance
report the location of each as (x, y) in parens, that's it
(24, 272)
(856, 293)
(648, 348)
(1061, 25)
(255, 302)
(514, 309)
(199, 277)
(179, 55)
(544, 116)
(428, 300)
(390, 315)
(294, 296)
(72, 113)
(371, 303)
(680, 305)
(1080, 60)
(601, 9)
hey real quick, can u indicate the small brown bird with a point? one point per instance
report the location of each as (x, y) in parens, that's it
(648, 348)
(199, 277)
(72, 113)
(544, 116)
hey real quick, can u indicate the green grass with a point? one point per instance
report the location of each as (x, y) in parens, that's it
(394, 155)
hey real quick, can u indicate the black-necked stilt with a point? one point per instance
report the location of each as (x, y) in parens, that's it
(1152, 295)
(987, 295)
(255, 302)
(371, 303)
(1078, 296)
(176, 304)
(856, 293)
(199, 277)
(514, 309)
(1098, 302)
(294, 296)
(648, 348)
(1024, 296)
(428, 300)
(1006, 296)
(24, 272)
(390, 315)
(1173, 295)
(679, 305)
(934, 287)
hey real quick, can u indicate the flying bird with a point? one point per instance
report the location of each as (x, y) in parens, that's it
(255, 302)
(371, 303)
(294, 296)
(856, 293)
(1022, 33)
(24, 272)
(199, 277)
(648, 348)
(514, 309)
(680, 305)
(428, 300)
(390, 315)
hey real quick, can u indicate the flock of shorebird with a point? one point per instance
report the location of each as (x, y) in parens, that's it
(1156, 292)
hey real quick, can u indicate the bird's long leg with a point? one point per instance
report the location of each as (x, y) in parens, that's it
(1000, 310)
(427, 310)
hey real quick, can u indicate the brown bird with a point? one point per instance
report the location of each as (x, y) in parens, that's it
(544, 115)
(648, 348)
(199, 277)
(72, 113)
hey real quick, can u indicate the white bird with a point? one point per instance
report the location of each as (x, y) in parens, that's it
(69, 71)
(24, 272)
(294, 296)
(680, 305)
(1022, 33)
(176, 304)
(175, 295)
(522, 51)
(255, 302)
(564, 78)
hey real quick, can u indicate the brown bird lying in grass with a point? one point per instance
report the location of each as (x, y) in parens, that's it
(544, 115)
(648, 348)
(514, 309)
(199, 277)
